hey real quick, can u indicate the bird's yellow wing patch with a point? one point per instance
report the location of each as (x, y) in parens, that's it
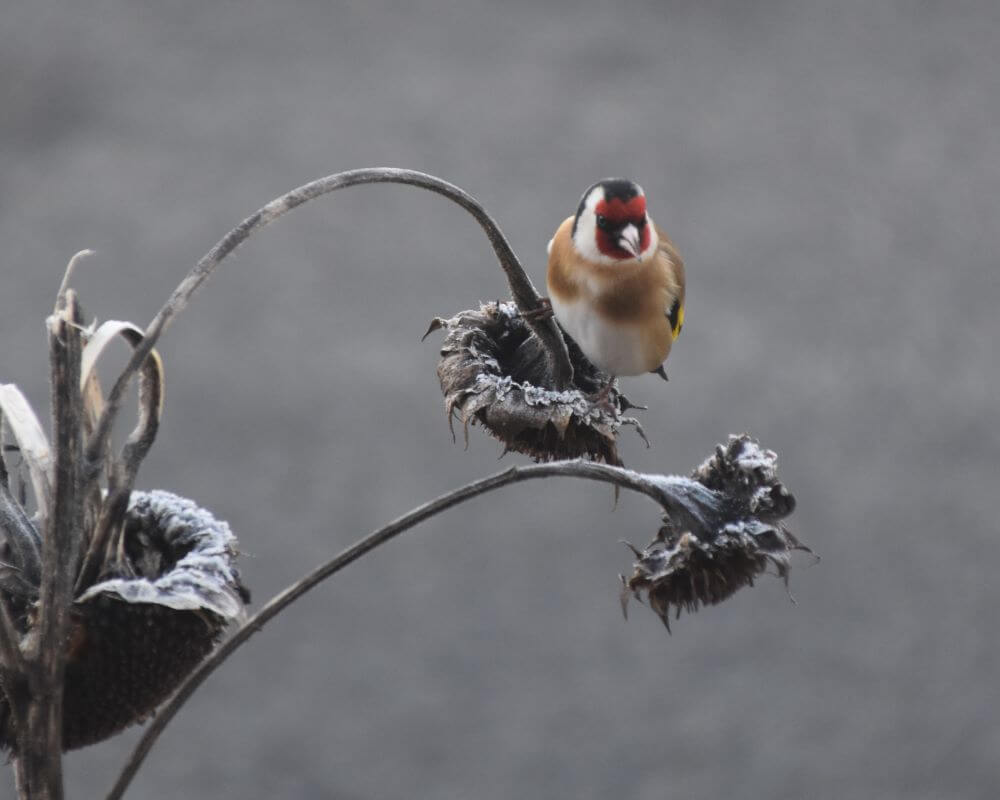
(676, 317)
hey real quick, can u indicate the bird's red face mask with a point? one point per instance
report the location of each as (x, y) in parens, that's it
(622, 231)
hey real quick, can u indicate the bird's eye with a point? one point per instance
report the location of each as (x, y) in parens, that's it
(602, 222)
(641, 223)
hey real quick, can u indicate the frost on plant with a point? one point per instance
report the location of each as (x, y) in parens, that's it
(184, 557)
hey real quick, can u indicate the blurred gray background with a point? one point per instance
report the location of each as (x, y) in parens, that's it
(831, 174)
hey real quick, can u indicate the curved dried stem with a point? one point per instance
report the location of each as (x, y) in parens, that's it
(106, 540)
(151, 382)
(683, 498)
(524, 292)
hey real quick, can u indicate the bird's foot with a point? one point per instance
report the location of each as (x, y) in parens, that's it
(543, 312)
(602, 399)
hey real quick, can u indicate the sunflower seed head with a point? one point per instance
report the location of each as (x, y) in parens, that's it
(156, 583)
(142, 628)
(494, 372)
(682, 570)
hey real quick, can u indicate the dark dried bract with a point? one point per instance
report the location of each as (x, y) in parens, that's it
(495, 372)
(739, 536)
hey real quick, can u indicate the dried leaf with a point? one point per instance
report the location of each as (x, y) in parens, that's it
(90, 385)
(33, 444)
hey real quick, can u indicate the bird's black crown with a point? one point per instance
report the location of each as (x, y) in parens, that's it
(622, 188)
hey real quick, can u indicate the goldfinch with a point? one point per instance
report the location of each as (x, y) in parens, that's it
(615, 281)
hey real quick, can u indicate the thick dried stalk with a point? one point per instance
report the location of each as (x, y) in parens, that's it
(39, 750)
(686, 501)
(524, 292)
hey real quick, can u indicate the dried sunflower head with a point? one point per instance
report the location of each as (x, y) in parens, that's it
(707, 557)
(494, 372)
(156, 581)
(137, 636)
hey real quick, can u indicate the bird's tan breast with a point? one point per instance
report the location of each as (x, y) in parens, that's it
(616, 312)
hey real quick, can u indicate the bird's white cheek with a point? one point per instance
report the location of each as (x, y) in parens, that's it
(585, 239)
(586, 246)
(654, 241)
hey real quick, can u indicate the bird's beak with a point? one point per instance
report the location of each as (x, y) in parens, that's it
(629, 240)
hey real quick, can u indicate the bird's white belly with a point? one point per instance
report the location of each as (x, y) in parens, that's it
(613, 347)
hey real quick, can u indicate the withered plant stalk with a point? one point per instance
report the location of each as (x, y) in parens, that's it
(31, 671)
(38, 688)
(522, 289)
(684, 497)
(67, 559)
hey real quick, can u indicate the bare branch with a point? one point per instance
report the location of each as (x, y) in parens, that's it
(681, 497)
(523, 290)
